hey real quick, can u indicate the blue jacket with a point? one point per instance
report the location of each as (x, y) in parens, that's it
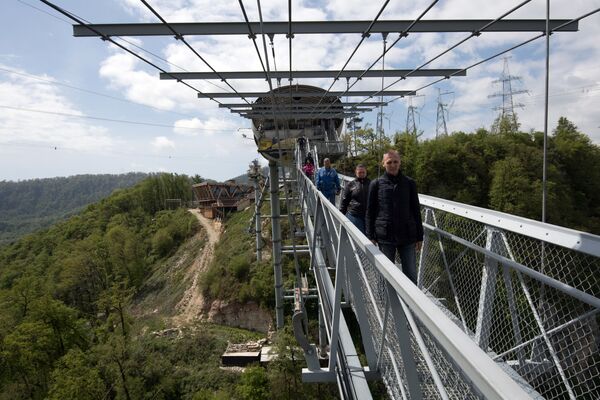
(327, 180)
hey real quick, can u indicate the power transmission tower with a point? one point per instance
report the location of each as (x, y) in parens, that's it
(441, 128)
(507, 109)
(411, 125)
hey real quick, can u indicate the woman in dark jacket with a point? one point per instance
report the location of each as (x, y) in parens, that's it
(354, 198)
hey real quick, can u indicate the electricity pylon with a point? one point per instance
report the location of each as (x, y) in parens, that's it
(507, 109)
(441, 127)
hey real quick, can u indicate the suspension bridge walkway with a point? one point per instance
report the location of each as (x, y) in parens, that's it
(504, 307)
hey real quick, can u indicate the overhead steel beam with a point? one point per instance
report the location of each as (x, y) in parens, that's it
(390, 73)
(298, 109)
(304, 111)
(302, 105)
(299, 116)
(359, 93)
(321, 27)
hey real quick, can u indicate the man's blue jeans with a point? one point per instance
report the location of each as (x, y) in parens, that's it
(407, 255)
(357, 221)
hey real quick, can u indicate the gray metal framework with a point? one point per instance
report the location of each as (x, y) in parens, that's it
(280, 115)
(389, 73)
(255, 106)
(358, 93)
(319, 27)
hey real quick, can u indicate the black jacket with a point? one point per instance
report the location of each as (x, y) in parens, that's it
(393, 211)
(354, 198)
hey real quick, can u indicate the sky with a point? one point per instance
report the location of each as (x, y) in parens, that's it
(80, 105)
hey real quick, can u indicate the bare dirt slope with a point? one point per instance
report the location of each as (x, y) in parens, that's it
(192, 302)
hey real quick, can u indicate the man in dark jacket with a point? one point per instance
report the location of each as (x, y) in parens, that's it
(393, 219)
(354, 198)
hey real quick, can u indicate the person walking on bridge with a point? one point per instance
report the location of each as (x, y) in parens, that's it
(328, 181)
(354, 198)
(393, 219)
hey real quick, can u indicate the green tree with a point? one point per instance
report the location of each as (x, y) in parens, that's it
(510, 182)
(254, 385)
(504, 124)
(579, 161)
(29, 351)
(75, 377)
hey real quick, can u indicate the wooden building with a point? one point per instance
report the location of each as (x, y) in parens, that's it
(217, 199)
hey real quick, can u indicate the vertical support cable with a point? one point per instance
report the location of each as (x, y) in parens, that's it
(385, 35)
(545, 162)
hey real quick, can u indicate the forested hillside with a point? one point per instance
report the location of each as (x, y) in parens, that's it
(38, 203)
(65, 329)
(85, 307)
(500, 171)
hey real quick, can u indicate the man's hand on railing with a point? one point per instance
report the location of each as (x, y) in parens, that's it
(418, 246)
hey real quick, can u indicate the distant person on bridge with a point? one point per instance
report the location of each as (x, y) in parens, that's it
(354, 198)
(309, 169)
(328, 181)
(308, 158)
(393, 219)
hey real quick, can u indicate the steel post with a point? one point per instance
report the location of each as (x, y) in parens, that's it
(257, 220)
(276, 234)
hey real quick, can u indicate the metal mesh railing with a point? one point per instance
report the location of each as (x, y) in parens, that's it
(391, 366)
(542, 325)
(417, 349)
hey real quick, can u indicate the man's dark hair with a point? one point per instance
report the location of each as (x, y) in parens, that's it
(360, 166)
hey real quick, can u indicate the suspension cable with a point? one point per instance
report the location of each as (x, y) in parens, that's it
(290, 36)
(504, 51)
(365, 35)
(180, 37)
(402, 34)
(107, 38)
(473, 34)
(124, 40)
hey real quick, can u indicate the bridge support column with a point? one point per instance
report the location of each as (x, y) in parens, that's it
(276, 232)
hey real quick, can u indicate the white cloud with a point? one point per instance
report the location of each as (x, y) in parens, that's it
(161, 143)
(34, 112)
(208, 127)
(573, 58)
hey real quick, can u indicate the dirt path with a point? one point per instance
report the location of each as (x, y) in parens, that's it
(192, 301)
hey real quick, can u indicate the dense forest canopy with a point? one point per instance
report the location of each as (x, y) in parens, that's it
(65, 331)
(28, 205)
(500, 171)
(69, 295)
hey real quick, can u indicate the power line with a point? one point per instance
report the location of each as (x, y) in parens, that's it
(59, 83)
(122, 121)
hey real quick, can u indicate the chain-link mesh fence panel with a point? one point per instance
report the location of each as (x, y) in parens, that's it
(546, 335)
(374, 295)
